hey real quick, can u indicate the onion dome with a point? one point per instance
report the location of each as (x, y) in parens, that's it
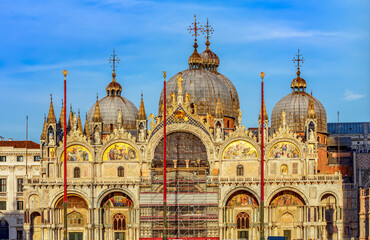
(195, 60)
(110, 106)
(296, 106)
(210, 59)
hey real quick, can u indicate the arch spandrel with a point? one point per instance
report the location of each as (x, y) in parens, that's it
(120, 151)
(284, 150)
(77, 153)
(239, 149)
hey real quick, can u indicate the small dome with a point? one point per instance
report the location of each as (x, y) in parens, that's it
(298, 84)
(204, 88)
(210, 59)
(296, 105)
(109, 107)
(195, 60)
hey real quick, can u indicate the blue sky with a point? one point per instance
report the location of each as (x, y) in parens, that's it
(41, 38)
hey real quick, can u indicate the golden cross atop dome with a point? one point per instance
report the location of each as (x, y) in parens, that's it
(113, 59)
(298, 60)
(195, 27)
(208, 29)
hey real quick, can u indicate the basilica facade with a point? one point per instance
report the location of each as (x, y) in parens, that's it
(115, 166)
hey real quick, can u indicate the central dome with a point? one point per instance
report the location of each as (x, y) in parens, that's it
(204, 88)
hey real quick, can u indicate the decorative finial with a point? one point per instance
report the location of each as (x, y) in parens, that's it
(262, 74)
(195, 27)
(65, 72)
(164, 75)
(113, 59)
(298, 60)
(207, 30)
(97, 96)
(70, 107)
(311, 92)
(78, 111)
(141, 93)
(62, 103)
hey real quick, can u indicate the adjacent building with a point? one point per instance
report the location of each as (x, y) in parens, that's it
(18, 160)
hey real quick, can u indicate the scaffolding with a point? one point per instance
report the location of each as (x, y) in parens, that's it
(192, 201)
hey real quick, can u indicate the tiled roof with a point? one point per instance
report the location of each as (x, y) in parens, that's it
(20, 144)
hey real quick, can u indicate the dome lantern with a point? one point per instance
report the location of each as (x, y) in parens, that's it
(298, 84)
(195, 60)
(210, 59)
(114, 88)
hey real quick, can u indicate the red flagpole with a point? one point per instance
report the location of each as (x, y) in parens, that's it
(65, 155)
(164, 160)
(262, 231)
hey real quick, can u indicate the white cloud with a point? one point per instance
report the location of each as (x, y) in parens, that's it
(350, 95)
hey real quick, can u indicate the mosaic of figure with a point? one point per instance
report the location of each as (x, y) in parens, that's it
(287, 198)
(118, 201)
(242, 199)
(78, 153)
(240, 150)
(120, 151)
(284, 150)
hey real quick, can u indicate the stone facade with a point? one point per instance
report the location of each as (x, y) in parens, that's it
(13, 173)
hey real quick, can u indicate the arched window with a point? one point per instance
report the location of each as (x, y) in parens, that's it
(119, 222)
(77, 172)
(121, 172)
(239, 170)
(242, 221)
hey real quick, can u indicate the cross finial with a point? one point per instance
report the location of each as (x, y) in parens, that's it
(195, 26)
(208, 29)
(113, 59)
(298, 60)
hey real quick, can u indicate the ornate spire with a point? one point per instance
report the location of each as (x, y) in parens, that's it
(51, 115)
(70, 119)
(141, 115)
(43, 134)
(265, 116)
(97, 115)
(195, 60)
(114, 88)
(298, 84)
(311, 108)
(87, 130)
(61, 117)
(219, 112)
(79, 123)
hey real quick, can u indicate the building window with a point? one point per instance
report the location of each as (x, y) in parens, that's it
(20, 185)
(76, 173)
(19, 234)
(19, 205)
(2, 184)
(239, 170)
(2, 158)
(19, 158)
(119, 222)
(2, 205)
(121, 172)
(36, 158)
(242, 221)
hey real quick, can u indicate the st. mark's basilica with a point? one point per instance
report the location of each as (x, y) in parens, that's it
(115, 165)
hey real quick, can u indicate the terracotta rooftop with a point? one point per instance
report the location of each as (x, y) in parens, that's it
(20, 144)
